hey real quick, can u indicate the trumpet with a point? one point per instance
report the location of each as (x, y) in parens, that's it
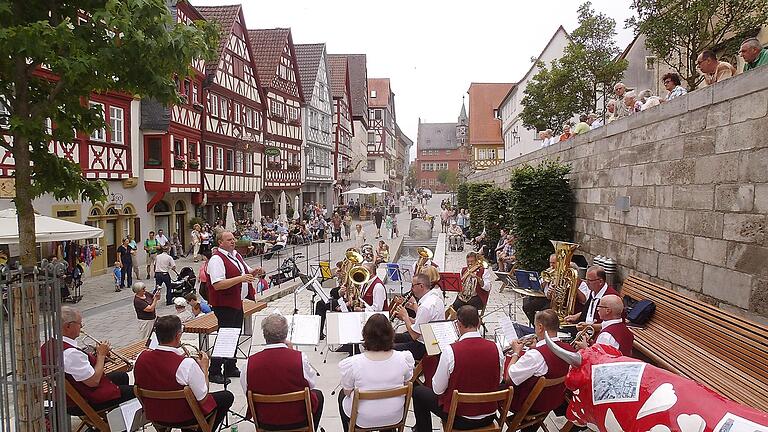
(583, 336)
(528, 341)
(397, 303)
(111, 351)
(191, 351)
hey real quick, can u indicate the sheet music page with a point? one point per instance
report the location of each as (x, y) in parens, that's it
(320, 291)
(153, 343)
(128, 410)
(350, 327)
(368, 314)
(226, 342)
(445, 333)
(304, 329)
(507, 326)
(343, 305)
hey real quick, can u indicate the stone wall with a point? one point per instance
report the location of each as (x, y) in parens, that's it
(696, 172)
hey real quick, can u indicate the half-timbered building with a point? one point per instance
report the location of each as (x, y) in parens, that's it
(317, 123)
(359, 164)
(233, 120)
(342, 121)
(275, 60)
(381, 133)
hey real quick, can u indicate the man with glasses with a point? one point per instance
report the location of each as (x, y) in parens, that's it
(598, 289)
(614, 331)
(428, 308)
(85, 372)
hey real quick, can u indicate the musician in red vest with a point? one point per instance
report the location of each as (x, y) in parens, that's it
(375, 293)
(480, 278)
(523, 368)
(598, 288)
(614, 331)
(471, 364)
(85, 372)
(230, 281)
(278, 369)
(166, 368)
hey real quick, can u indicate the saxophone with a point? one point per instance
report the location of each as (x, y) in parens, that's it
(470, 281)
(564, 279)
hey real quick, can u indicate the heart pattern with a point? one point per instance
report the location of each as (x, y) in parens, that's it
(611, 423)
(662, 399)
(660, 428)
(691, 423)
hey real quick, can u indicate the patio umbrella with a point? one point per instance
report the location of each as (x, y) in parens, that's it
(283, 207)
(256, 214)
(296, 209)
(375, 190)
(230, 218)
(47, 229)
(360, 190)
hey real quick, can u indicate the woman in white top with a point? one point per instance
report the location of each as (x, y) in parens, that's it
(359, 236)
(378, 368)
(196, 243)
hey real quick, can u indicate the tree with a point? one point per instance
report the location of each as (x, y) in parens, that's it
(678, 31)
(51, 61)
(548, 102)
(448, 178)
(410, 179)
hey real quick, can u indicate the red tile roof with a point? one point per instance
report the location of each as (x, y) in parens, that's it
(226, 17)
(308, 58)
(358, 85)
(338, 71)
(383, 91)
(484, 98)
(268, 46)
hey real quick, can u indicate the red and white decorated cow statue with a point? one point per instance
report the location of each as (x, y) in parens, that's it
(614, 393)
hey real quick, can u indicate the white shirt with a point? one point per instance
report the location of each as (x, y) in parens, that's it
(76, 362)
(161, 239)
(529, 365)
(593, 306)
(379, 296)
(426, 264)
(606, 338)
(188, 373)
(218, 273)
(366, 374)
(487, 282)
(431, 308)
(596, 124)
(448, 362)
(309, 373)
(164, 263)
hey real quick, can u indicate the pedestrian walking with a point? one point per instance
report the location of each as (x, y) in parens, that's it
(150, 247)
(348, 224)
(195, 235)
(163, 265)
(378, 218)
(126, 260)
(388, 225)
(134, 258)
(360, 237)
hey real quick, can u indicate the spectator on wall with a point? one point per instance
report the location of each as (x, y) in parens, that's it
(566, 132)
(713, 69)
(753, 53)
(672, 83)
(582, 126)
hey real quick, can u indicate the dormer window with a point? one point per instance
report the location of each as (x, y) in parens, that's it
(373, 93)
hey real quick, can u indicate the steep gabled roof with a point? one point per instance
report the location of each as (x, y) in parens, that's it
(308, 58)
(484, 98)
(268, 46)
(358, 84)
(437, 136)
(338, 71)
(383, 91)
(226, 16)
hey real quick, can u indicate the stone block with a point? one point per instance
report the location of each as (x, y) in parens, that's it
(643, 237)
(638, 175)
(730, 286)
(652, 175)
(761, 198)
(663, 196)
(608, 195)
(669, 149)
(719, 168)
(752, 167)
(758, 302)
(718, 115)
(734, 197)
(647, 217)
(678, 171)
(693, 121)
(751, 106)
(593, 196)
(681, 245)
(616, 127)
(420, 230)
(627, 255)
(638, 196)
(621, 176)
(747, 258)
(671, 220)
(702, 97)
(745, 135)
(710, 251)
(693, 197)
(704, 224)
(699, 144)
(747, 228)
(638, 154)
(681, 271)
(739, 85)
(665, 111)
(601, 213)
(647, 261)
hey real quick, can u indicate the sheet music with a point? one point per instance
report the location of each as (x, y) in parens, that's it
(350, 328)
(128, 410)
(226, 342)
(319, 289)
(508, 327)
(153, 343)
(445, 333)
(304, 329)
(343, 305)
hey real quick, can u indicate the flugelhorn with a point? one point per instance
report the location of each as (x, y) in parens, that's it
(528, 341)
(397, 303)
(111, 351)
(584, 335)
(191, 351)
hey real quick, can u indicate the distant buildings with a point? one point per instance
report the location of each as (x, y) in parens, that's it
(439, 147)
(485, 140)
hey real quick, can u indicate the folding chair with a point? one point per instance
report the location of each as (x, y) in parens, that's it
(522, 419)
(358, 395)
(204, 423)
(90, 417)
(297, 396)
(504, 396)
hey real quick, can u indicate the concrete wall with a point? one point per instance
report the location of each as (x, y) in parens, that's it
(696, 172)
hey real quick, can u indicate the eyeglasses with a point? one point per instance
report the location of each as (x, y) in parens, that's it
(417, 284)
(593, 280)
(602, 307)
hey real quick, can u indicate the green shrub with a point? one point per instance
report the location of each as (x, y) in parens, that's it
(196, 220)
(497, 214)
(461, 195)
(476, 206)
(542, 209)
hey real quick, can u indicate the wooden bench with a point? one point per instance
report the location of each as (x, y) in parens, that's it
(725, 352)
(207, 324)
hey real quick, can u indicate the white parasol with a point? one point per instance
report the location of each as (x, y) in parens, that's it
(256, 214)
(47, 229)
(283, 207)
(296, 209)
(230, 218)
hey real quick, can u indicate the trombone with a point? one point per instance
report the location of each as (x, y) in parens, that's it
(111, 351)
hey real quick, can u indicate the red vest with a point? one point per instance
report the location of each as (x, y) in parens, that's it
(156, 370)
(476, 370)
(483, 294)
(368, 295)
(275, 371)
(429, 367)
(104, 392)
(608, 291)
(551, 397)
(229, 297)
(623, 336)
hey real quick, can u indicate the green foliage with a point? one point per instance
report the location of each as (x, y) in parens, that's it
(461, 195)
(410, 179)
(196, 220)
(548, 102)
(497, 213)
(476, 206)
(448, 178)
(678, 31)
(541, 205)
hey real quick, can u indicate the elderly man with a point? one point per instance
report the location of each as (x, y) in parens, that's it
(594, 121)
(631, 104)
(610, 111)
(277, 369)
(375, 293)
(230, 281)
(582, 126)
(614, 331)
(621, 110)
(714, 70)
(455, 237)
(428, 308)
(753, 53)
(598, 289)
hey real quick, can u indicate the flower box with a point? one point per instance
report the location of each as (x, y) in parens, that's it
(194, 163)
(179, 163)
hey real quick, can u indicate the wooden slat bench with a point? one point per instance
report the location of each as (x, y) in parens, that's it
(206, 324)
(725, 352)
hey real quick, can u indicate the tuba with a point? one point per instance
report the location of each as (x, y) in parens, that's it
(352, 258)
(470, 281)
(564, 280)
(357, 277)
(425, 254)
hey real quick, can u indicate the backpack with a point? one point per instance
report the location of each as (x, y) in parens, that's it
(639, 312)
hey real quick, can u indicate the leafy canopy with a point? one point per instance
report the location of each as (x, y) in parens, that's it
(678, 31)
(448, 178)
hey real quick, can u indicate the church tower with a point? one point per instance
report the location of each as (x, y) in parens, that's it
(462, 126)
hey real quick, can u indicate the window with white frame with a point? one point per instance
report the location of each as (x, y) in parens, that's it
(224, 109)
(195, 94)
(238, 115)
(248, 117)
(214, 105)
(99, 134)
(249, 163)
(277, 108)
(208, 156)
(219, 158)
(230, 160)
(423, 182)
(116, 124)
(239, 161)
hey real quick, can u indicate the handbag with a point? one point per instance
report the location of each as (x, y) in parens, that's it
(639, 312)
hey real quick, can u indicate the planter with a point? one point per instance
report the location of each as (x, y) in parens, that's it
(274, 166)
(194, 164)
(179, 163)
(153, 162)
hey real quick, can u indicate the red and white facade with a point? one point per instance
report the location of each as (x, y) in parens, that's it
(342, 119)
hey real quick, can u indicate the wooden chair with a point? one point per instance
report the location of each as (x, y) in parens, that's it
(204, 423)
(406, 390)
(522, 419)
(417, 371)
(90, 417)
(297, 396)
(504, 396)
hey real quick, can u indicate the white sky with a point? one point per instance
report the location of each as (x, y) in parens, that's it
(431, 50)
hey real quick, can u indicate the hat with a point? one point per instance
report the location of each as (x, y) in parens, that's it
(180, 302)
(453, 222)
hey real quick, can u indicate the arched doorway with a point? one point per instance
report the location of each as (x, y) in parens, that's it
(267, 205)
(180, 217)
(95, 219)
(162, 212)
(131, 223)
(111, 234)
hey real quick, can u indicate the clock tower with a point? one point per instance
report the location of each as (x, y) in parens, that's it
(462, 127)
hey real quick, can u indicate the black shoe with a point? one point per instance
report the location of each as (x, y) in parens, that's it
(234, 373)
(322, 336)
(218, 379)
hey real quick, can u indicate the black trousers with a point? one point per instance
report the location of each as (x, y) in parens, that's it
(315, 416)
(404, 342)
(425, 404)
(224, 400)
(230, 318)
(127, 272)
(531, 305)
(164, 278)
(474, 301)
(120, 379)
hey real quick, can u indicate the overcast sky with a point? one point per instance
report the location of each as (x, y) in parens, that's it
(431, 50)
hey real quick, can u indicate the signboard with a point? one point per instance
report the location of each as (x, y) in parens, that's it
(271, 151)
